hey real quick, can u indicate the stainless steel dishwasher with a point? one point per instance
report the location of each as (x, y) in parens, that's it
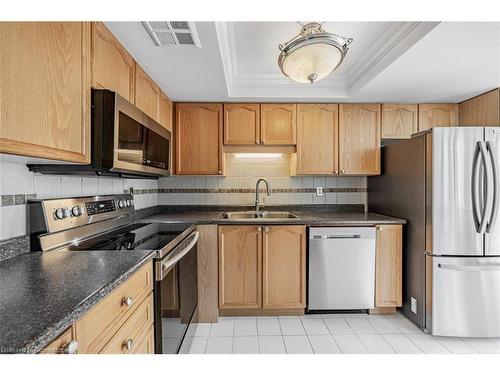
(341, 268)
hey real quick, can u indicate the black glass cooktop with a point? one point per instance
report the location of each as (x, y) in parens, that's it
(140, 236)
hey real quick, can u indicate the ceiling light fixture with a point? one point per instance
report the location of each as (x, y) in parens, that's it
(313, 54)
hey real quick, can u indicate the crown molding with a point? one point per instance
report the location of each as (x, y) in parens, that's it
(398, 39)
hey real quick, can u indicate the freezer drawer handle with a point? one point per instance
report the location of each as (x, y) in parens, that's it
(494, 165)
(492, 267)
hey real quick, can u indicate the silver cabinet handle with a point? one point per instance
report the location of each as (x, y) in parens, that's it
(474, 188)
(259, 229)
(128, 344)
(71, 348)
(128, 301)
(494, 166)
(484, 154)
(266, 229)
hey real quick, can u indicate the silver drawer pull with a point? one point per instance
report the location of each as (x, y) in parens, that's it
(128, 344)
(128, 301)
(71, 348)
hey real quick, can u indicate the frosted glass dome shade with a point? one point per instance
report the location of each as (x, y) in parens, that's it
(311, 62)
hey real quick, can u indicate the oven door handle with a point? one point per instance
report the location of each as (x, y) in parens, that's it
(164, 266)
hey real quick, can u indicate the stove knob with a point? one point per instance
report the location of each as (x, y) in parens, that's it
(76, 211)
(61, 213)
(121, 204)
(127, 202)
(130, 202)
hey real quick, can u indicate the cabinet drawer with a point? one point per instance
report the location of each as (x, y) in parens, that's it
(132, 330)
(59, 345)
(96, 328)
(146, 343)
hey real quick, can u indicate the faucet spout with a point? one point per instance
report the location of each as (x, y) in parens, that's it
(258, 205)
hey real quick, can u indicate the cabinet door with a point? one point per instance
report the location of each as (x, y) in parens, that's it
(388, 265)
(240, 266)
(278, 126)
(147, 94)
(241, 124)
(483, 110)
(317, 139)
(45, 90)
(359, 139)
(112, 66)
(198, 136)
(399, 120)
(166, 111)
(284, 267)
(437, 115)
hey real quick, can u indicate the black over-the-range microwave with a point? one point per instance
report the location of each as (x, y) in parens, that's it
(125, 142)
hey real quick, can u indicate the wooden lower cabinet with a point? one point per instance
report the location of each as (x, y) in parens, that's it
(284, 267)
(388, 266)
(121, 323)
(240, 266)
(262, 267)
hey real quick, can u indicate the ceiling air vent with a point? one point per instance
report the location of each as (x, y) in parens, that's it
(172, 33)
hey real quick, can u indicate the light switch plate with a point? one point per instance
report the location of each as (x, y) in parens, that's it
(413, 305)
(319, 191)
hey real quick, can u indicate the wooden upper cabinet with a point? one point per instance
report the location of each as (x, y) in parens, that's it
(359, 139)
(198, 139)
(240, 266)
(278, 124)
(482, 110)
(241, 124)
(437, 115)
(112, 66)
(166, 111)
(147, 94)
(388, 266)
(317, 139)
(399, 120)
(45, 90)
(284, 267)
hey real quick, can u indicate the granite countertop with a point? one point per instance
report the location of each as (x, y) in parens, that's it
(306, 217)
(42, 294)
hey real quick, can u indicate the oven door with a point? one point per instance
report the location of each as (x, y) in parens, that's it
(176, 296)
(140, 143)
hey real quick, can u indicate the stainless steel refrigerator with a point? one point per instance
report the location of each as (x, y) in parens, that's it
(445, 182)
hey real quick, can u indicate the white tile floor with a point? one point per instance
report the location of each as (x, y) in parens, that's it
(327, 334)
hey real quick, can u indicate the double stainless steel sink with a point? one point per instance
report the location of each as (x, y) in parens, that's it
(258, 215)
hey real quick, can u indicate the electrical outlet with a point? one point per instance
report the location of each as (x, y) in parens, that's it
(319, 191)
(413, 305)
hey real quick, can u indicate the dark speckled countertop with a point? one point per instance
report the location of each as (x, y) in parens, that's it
(306, 217)
(42, 294)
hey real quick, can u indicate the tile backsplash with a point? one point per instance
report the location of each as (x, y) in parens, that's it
(17, 185)
(238, 186)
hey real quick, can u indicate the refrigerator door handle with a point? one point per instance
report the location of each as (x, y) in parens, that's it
(454, 267)
(496, 200)
(474, 188)
(484, 221)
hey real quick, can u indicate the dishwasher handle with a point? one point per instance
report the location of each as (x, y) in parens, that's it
(334, 236)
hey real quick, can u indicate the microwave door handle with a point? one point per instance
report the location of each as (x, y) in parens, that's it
(496, 198)
(485, 178)
(474, 187)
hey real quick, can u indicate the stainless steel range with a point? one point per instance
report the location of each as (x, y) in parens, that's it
(104, 223)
